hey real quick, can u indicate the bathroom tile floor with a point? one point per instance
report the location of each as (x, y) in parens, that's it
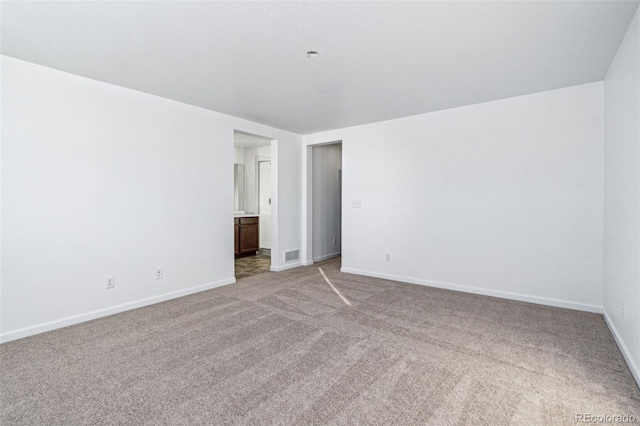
(252, 265)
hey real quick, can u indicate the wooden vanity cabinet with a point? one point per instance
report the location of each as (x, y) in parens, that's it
(236, 233)
(246, 236)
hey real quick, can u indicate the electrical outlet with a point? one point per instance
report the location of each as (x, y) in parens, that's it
(111, 282)
(159, 274)
(335, 241)
(387, 257)
(357, 204)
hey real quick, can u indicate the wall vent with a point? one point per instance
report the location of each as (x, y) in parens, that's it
(291, 255)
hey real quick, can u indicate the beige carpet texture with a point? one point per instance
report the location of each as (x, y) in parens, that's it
(285, 349)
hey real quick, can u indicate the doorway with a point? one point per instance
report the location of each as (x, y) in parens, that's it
(252, 204)
(326, 201)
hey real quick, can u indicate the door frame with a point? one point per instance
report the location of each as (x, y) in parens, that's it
(307, 200)
(276, 262)
(261, 159)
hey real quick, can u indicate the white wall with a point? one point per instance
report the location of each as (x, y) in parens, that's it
(327, 162)
(501, 198)
(622, 196)
(238, 155)
(99, 180)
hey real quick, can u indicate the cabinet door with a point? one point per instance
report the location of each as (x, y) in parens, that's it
(249, 239)
(236, 232)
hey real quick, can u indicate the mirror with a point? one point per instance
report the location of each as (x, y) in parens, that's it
(238, 188)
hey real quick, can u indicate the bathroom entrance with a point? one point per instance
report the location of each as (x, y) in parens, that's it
(252, 204)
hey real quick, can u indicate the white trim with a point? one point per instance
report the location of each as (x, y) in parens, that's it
(307, 263)
(275, 204)
(286, 266)
(635, 371)
(99, 313)
(326, 256)
(578, 306)
(307, 205)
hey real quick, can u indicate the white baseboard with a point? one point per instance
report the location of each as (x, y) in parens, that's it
(578, 306)
(623, 348)
(307, 262)
(326, 256)
(286, 266)
(87, 316)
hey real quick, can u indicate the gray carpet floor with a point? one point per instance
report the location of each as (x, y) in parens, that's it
(283, 348)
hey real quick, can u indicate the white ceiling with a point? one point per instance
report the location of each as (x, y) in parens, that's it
(377, 61)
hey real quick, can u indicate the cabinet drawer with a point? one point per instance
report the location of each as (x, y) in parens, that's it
(236, 221)
(248, 220)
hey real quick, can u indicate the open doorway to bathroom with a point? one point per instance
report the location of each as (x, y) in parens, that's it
(253, 237)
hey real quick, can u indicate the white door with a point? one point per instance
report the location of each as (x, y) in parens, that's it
(264, 203)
